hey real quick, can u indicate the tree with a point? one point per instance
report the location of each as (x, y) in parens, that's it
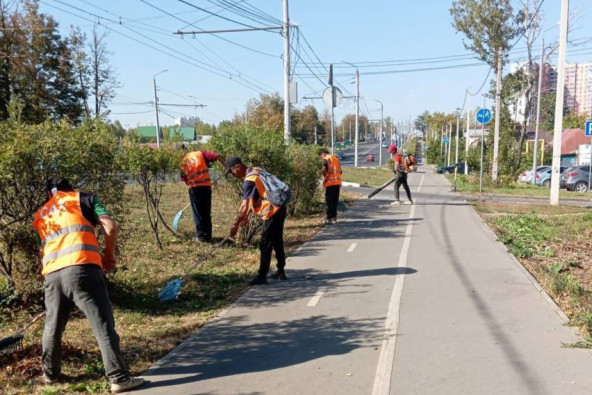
(421, 122)
(40, 67)
(103, 76)
(304, 123)
(81, 65)
(489, 26)
(266, 112)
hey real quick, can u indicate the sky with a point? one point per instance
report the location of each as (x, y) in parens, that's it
(392, 43)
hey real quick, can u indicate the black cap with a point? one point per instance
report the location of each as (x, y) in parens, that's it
(231, 162)
(59, 183)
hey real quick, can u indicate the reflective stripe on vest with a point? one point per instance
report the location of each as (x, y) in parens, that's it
(67, 237)
(262, 207)
(68, 250)
(333, 176)
(65, 231)
(196, 170)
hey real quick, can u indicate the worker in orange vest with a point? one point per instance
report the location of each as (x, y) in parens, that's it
(195, 173)
(331, 182)
(73, 268)
(255, 200)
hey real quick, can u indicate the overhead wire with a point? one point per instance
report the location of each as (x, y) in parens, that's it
(182, 58)
(207, 48)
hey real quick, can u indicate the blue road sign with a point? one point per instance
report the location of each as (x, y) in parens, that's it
(483, 116)
(445, 140)
(589, 128)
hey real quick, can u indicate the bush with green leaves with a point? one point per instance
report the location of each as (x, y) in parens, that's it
(298, 165)
(88, 155)
(152, 168)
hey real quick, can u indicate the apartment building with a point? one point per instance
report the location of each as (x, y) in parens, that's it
(578, 89)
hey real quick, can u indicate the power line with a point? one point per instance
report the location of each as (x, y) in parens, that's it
(213, 14)
(183, 59)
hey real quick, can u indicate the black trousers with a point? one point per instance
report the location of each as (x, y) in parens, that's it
(272, 239)
(332, 198)
(201, 206)
(402, 180)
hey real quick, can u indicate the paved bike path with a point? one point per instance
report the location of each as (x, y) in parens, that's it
(392, 300)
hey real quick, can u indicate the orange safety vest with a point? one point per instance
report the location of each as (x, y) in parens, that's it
(67, 238)
(195, 169)
(333, 176)
(262, 207)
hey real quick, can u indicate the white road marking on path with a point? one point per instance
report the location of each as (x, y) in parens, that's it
(315, 299)
(386, 360)
(352, 247)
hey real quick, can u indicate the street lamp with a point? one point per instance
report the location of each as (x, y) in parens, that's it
(156, 107)
(380, 139)
(357, 136)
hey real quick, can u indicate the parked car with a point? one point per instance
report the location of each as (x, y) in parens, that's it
(370, 158)
(543, 177)
(563, 177)
(384, 144)
(450, 169)
(526, 176)
(577, 179)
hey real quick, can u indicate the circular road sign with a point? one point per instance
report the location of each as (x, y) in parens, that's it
(483, 116)
(338, 97)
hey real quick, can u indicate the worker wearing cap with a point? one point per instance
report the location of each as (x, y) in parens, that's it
(72, 265)
(272, 235)
(401, 167)
(195, 173)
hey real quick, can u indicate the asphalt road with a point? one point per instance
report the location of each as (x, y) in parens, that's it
(364, 149)
(398, 300)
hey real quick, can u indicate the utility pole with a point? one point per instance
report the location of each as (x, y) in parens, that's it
(558, 130)
(457, 132)
(156, 107)
(538, 114)
(498, 104)
(441, 141)
(315, 132)
(449, 142)
(467, 131)
(286, 31)
(357, 118)
(380, 139)
(481, 160)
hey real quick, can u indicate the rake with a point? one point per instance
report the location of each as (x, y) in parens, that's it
(14, 343)
(179, 214)
(171, 290)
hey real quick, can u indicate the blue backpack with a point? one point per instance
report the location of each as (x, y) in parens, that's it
(278, 193)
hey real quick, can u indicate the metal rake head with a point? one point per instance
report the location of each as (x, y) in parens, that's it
(11, 344)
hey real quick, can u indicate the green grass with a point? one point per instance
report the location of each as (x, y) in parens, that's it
(148, 328)
(553, 243)
(367, 176)
(470, 184)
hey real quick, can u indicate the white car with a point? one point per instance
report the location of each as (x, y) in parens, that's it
(526, 176)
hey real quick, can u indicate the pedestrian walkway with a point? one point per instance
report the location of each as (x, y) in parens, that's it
(391, 300)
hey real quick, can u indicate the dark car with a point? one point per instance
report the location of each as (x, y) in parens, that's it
(576, 179)
(450, 169)
(341, 156)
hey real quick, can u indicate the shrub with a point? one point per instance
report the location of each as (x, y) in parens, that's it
(298, 165)
(151, 168)
(30, 154)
